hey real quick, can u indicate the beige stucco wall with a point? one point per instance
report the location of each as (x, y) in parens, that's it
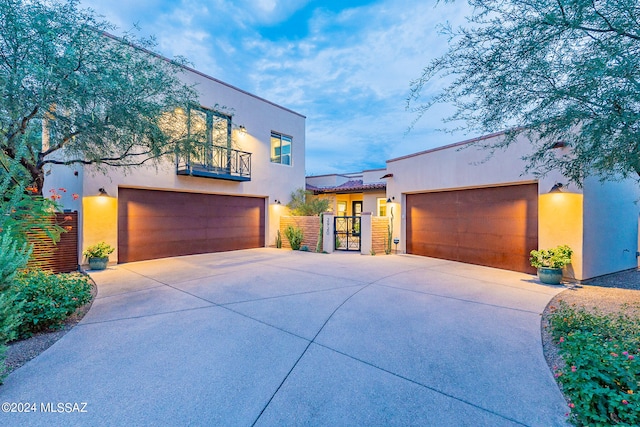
(268, 180)
(463, 166)
(611, 212)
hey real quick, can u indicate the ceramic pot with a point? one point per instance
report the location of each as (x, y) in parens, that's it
(550, 276)
(98, 263)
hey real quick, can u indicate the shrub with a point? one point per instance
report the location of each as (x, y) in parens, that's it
(10, 321)
(304, 204)
(13, 257)
(99, 250)
(278, 240)
(601, 377)
(294, 236)
(48, 299)
(551, 258)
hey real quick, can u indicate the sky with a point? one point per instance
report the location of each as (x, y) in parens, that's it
(345, 65)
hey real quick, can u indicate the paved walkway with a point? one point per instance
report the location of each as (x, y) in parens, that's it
(272, 337)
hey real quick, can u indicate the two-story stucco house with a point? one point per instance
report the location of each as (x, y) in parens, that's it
(222, 200)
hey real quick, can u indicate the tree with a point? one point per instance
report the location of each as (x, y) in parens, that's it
(72, 94)
(563, 71)
(304, 204)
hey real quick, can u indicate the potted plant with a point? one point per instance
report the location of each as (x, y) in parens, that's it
(550, 263)
(98, 255)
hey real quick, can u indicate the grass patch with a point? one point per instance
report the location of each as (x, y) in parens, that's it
(601, 379)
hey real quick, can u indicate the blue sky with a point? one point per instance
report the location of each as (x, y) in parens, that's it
(346, 65)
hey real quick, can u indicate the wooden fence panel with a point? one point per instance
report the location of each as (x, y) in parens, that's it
(63, 256)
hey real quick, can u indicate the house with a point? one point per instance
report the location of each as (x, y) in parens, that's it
(352, 193)
(221, 201)
(453, 202)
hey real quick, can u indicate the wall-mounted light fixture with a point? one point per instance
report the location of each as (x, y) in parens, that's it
(242, 129)
(102, 192)
(557, 188)
(277, 202)
(391, 199)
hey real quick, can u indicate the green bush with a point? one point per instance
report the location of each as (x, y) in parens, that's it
(48, 298)
(294, 236)
(556, 257)
(99, 250)
(304, 203)
(602, 374)
(10, 321)
(13, 257)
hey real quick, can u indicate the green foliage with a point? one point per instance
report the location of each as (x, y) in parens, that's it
(294, 235)
(560, 70)
(602, 374)
(389, 239)
(552, 258)
(10, 321)
(99, 250)
(13, 257)
(303, 203)
(278, 240)
(48, 299)
(102, 100)
(320, 244)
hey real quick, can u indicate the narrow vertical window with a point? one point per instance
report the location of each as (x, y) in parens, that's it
(280, 148)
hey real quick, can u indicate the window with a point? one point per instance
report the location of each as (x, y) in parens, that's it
(382, 207)
(342, 208)
(210, 126)
(280, 148)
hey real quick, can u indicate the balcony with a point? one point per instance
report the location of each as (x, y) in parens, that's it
(217, 163)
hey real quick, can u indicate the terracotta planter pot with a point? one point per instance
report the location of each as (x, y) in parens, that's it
(98, 263)
(550, 276)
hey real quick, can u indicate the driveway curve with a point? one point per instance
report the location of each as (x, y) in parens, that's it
(272, 337)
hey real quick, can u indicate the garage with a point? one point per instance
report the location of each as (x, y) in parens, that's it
(157, 224)
(493, 226)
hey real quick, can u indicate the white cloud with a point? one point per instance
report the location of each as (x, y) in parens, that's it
(349, 75)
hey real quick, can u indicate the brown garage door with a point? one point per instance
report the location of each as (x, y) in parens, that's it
(496, 226)
(156, 224)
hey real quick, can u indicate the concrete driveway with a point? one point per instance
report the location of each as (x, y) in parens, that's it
(273, 337)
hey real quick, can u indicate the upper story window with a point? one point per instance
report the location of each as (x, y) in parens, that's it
(210, 126)
(280, 148)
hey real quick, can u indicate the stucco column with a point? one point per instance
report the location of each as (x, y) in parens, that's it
(366, 233)
(329, 239)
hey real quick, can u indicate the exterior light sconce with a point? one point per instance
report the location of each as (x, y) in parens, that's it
(102, 192)
(557, 188)
(390, 200)
(277, 202)
(242, 129)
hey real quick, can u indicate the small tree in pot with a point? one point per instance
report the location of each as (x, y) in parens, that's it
(98, 255)
(550, 263)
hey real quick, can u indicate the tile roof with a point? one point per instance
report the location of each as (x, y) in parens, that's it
(352, 186)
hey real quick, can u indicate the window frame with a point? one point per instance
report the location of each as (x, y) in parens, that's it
(280, 136)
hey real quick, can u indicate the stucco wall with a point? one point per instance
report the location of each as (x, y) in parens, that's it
(269, 180)
(610, 226)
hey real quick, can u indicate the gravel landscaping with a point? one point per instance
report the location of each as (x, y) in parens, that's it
(610, 294)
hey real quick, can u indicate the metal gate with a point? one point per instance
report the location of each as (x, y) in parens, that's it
(347, 233)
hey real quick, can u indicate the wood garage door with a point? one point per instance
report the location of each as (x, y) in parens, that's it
(496, 226)
(157, 224)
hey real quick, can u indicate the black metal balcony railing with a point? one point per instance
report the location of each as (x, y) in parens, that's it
(218, 163)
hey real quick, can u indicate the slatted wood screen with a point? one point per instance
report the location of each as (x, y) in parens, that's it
(63, 256)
